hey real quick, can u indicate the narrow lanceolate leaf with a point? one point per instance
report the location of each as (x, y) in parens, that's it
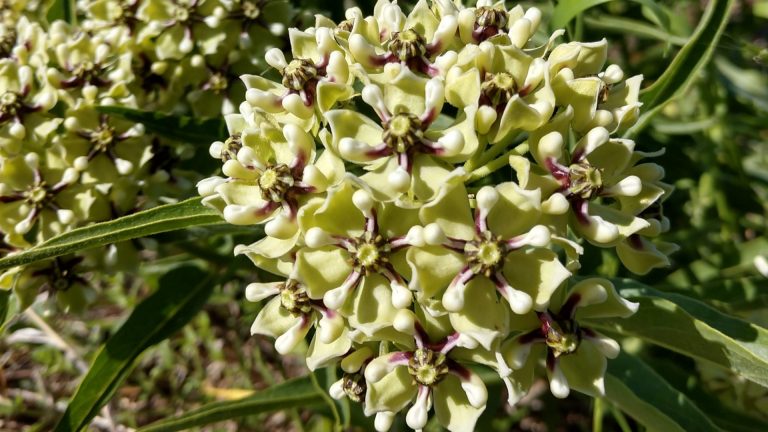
(643, 394)
(298, 392)
(164, 218)
(686, 65)
(566, 10)
(178, 128)
(694, 329)
(182, 293)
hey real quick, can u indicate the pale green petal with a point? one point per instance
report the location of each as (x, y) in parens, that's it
(581, 94)
(613, 306)
(372, 310)
(516, 211)
(392, 393)
(322, 270)
(351, 124)
(433, 268)
(641, 260)
(273, 320)
(270, 254)
(585, 369)
(536, 272)
(450, 210)
(606, 225)
(320, 354)
(462, 88)
(338, 214)
(452, 408)
(484, 317)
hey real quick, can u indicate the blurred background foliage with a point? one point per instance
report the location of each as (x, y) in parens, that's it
(715, 138)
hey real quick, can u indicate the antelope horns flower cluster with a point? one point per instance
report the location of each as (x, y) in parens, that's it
(66, 162)
(405, 253)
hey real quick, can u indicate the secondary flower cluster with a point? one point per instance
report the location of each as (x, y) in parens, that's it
(426, 183)
(64, 161)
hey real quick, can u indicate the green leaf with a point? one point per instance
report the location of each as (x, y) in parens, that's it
(182, 293)
(642, 393)
(62, 10)
(624, 26)
(178, 128)
(566, 10)
(694, 329)
(685, 67)
(164, 218)
(299, 392)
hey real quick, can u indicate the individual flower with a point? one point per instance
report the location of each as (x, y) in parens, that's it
(24, 106)
(510, 88)
(406, 151)
(590, 176)
(313, 81)
(502, 249)
(177, 27)
(417, 41)
(489, 20)
(353, 258)
(425, 374)
(270, 172)
(88, 67)
(290, 314)
(575, 355)
(32, 192)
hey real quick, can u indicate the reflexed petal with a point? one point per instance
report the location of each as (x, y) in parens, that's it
(453, 410)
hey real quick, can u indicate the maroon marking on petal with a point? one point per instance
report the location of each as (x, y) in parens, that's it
(551, 361)
(401, 356)
(531, 337)
(636, 242)
(577, 156)
(569, 307)
(11, 198)
(560, 172)
(581, 210)
(588, 332)
(458, 370)
(523, 92)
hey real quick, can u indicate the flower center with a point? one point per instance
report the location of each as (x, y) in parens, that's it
(217, 83)
(37, 194)
(354, 386)
(181, 13)
(485, 255)
(563, 337)
(585, 180)
(232, 145)
(403, 131)
(428, 367)
(294, 298)
(250, 10)
(345, 26)
(298, 73)
(87, 72)
(10, 105)
(498, 89)
(275, 182)
(407, 45)
(369, 252)
(102, 138)
(487, 16)
(7, 41)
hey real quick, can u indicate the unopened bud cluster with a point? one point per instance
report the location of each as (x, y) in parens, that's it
(404, 257)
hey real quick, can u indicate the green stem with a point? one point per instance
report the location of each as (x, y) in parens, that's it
(496, 149)
(496, 164)
(328, 401)
(475, 159)
(620, 419)
(597, 415)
